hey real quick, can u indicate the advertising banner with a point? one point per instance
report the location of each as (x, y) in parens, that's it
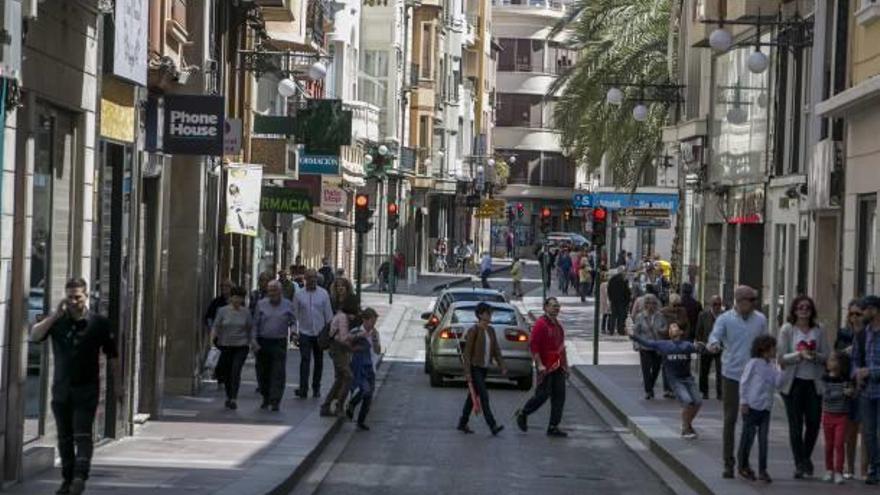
(244, 182)
(130, 53)
(284, 200)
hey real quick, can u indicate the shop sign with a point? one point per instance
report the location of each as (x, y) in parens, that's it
(745, 205)
(318, 164)
(615, 201)
(333, 197)
(193, 125)
(130, 54)
(232, 137)
(284, 200)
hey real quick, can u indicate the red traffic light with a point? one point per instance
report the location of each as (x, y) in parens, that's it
(519, 206)
(392, 208)
(599, 215)
(361, 201)
(545, 212)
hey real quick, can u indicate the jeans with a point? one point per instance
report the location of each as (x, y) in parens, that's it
(685, 391)
(484, 278)
(803, 406)
(834, 426)
(584, 290)
(730, 402)
(272, 368)
(870, 426)
(342, 376)
(308, 349)
(364, 396)
(478, 379)
(606, 323)
(74, 416)
(235, 358)
(650, 362)
(618, 318)
(706, 362)
(754, 422)
(552, 387)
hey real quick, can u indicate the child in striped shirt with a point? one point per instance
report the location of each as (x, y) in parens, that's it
(836, 399)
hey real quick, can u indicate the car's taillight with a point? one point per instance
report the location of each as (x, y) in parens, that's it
(433, 321)
(516, 336)
(447, 334)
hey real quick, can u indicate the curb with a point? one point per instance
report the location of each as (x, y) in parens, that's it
(661, 440)
(282, 450)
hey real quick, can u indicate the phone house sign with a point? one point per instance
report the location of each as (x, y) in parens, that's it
(193, 124)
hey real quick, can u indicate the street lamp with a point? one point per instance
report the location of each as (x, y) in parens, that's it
(287, 87)
(368, 158)
(640, 112)
(383, 150)
(614, 96)
(721, 40)
(317, 71)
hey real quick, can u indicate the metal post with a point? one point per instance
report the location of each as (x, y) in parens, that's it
(392, 272)
(359, 264)
(545, 278)
(597, 318)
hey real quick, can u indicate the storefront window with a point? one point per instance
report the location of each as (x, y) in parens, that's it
(867, 244)
(38, 296)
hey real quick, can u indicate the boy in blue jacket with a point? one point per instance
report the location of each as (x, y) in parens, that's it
(677, 362)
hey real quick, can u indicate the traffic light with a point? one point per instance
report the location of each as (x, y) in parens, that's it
(600, 217)
(520, 210)
(393, 216)
(362, 214)
(545, 220)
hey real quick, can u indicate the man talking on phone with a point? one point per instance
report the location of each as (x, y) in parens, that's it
(77, 337)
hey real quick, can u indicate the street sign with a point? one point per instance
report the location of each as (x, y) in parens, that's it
(645, 223)
(494, 203)
(643, 212)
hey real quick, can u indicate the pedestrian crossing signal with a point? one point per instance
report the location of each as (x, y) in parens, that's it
(362, 214)
(600, 217)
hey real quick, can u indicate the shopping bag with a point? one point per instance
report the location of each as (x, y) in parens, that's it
(212, 358)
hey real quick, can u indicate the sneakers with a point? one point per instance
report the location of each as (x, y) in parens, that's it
(326, 413)
(688, 433)
(231, 405)
(727, 473)
(838, 478)
(521, 421)
(828, 478)
(363, 426)
(747, 474)
(464, 428)
(847, 476)
(497, 429)
(765, 478)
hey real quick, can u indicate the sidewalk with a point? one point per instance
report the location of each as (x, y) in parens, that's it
(657, 423)
(198, 447)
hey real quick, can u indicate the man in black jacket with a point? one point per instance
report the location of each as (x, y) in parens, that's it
(619, 297)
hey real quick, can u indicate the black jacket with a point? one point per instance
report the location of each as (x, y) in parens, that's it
(618, 291)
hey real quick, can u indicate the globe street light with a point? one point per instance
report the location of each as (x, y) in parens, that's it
(368, 158)
(383, 150)
(640, 112)
(512, 159)
(287, 87)
(757, 62)
(317, 71)
(720, 40)
(614, 96)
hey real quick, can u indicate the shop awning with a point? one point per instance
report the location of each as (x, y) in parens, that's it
(318, 216)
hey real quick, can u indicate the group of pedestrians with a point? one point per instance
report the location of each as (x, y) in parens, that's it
(316, 311)
(826, 389)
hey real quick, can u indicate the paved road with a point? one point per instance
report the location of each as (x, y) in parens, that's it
(414, 448)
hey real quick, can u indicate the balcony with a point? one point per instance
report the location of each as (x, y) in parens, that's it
(555, 8)
(279, 10)
(364, 120)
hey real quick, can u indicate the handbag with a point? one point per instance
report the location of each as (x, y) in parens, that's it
(325, 339)
(212, 358)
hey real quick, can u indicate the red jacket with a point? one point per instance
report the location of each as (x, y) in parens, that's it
(548, 342)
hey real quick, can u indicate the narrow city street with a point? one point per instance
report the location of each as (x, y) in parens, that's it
(413, 446)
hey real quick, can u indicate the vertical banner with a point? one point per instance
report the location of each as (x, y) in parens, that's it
(243, 185)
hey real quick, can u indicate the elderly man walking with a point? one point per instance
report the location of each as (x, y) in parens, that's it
(274, 318)
(734, 331)
(313, 311)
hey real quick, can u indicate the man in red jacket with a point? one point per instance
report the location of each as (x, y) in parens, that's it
(548, 351)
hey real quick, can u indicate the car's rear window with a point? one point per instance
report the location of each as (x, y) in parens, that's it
(499, 317)
(477, 296)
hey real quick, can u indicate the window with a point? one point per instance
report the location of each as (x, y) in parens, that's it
(427, 58)
(867, 244)
(521, 55)
(500, 316)
(373, 80)
(517, 110)
(538, 168)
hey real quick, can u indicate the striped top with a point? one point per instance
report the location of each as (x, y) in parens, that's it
(834, 398)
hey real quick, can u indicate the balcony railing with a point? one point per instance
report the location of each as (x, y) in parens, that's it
(535, 4)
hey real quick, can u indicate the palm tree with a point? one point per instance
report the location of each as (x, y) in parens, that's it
(622, 41)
